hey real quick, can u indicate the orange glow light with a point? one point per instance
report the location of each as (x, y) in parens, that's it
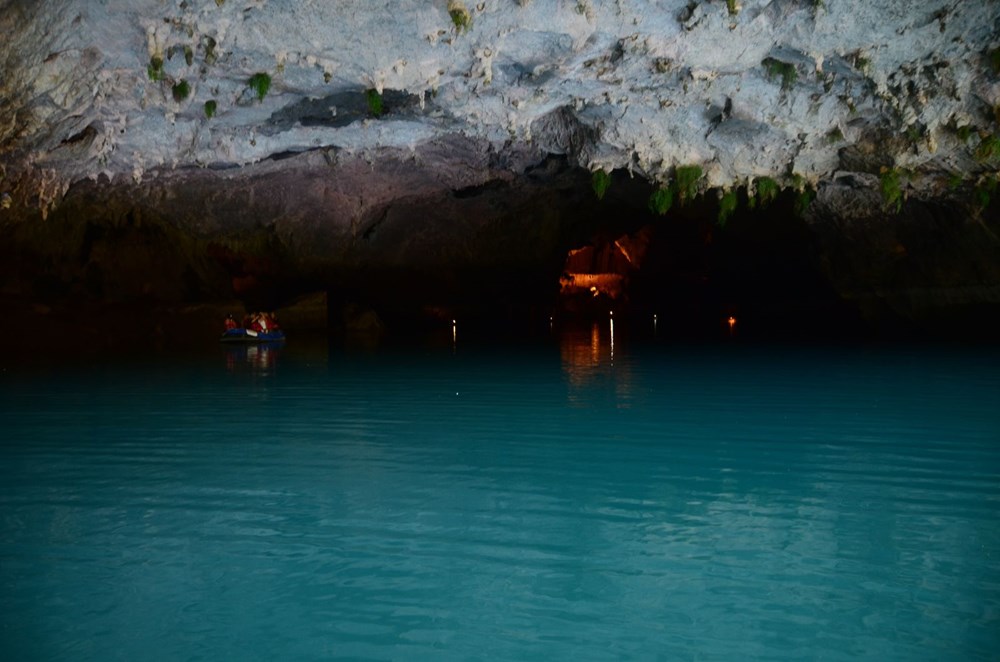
(732, 321)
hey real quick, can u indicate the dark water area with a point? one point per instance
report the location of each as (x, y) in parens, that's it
(587, 493)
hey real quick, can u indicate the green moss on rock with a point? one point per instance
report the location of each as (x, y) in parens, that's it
(374, 100)
(260, 83)
(600, 181)
(686, 181)
(661, 200)
(767, 191)
(788, 73)
(180, 91)
(890, 185)
(727, 206)
(155, 68)
(460, 16)
(988, 148)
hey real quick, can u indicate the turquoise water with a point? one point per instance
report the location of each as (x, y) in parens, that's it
(563, 500)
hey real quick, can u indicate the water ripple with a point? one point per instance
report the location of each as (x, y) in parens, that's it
(749, 506)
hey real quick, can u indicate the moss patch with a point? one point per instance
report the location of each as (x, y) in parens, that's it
(374, 100)
(788, 73)
(661, 200)
(210, 107)
(890, 185)
(767, 191)
(260, 83)
(600, 181)
(460, 16)
(804, 194)
(181, 91)
(727, 206)
(988, 148)
(155, 68)
(686, 181)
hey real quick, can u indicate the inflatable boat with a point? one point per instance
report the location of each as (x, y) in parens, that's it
(241, 335)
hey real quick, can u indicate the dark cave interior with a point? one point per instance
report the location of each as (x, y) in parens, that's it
(529, 255)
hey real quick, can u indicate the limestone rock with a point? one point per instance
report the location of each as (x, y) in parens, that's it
(377, 116)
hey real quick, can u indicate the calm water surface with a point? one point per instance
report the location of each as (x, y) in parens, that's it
(569, 500)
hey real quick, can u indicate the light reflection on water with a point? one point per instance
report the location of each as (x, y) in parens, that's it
(588, 356)
(455, 501)
(261, 358)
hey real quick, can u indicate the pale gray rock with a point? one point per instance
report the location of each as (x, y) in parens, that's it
(637, 79)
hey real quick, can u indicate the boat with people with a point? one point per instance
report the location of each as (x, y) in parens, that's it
(256, 328)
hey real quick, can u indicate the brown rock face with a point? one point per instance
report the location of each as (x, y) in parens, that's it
(436, 222)
(933, 264)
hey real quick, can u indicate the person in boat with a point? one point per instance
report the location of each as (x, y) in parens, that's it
(268, 321)
(255, 324)
(230, 322)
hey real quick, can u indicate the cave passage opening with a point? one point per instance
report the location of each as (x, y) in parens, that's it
(693, 273)
(615, 254)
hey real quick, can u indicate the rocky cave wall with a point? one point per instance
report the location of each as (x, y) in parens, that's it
(191, 150)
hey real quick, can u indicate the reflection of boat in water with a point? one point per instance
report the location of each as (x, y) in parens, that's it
(241, 335)
(259, 357)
